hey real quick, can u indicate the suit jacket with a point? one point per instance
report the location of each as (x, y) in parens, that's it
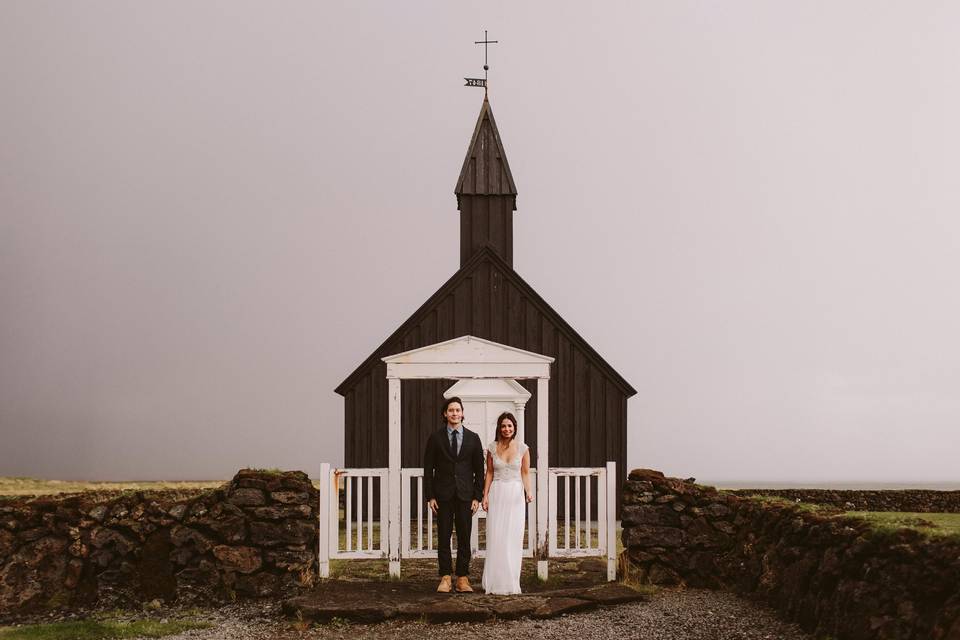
(446, 474)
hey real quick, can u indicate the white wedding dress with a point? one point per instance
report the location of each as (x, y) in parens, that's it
(505, 522)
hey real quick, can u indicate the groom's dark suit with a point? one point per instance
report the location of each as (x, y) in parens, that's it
(455, 480)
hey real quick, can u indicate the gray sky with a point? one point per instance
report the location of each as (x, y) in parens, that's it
(748, 208)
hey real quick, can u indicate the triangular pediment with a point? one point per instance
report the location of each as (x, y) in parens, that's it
(485, 169)
(489, 389)
(468, 350)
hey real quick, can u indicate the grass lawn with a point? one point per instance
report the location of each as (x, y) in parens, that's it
(98, 630)
(37, 487)
(932, 524)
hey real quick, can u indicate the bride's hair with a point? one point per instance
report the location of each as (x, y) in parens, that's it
(506, 415)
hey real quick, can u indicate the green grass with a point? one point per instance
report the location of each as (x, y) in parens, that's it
(37, 486)
(99, 630)
(15, 487)
(808, 507)
(935, 525)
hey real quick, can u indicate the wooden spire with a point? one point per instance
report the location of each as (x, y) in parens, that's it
(486, 193)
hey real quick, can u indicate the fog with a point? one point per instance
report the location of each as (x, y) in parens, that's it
(748, 209)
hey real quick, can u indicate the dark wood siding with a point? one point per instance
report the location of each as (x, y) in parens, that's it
(486, 221)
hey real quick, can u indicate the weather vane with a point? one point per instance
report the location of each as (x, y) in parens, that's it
(482, 82)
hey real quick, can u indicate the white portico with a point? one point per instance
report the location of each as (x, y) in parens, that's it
(470, 360)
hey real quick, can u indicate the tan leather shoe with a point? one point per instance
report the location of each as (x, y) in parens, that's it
(463, 585)
(445, 585)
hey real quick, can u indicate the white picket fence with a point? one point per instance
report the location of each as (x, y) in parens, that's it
(350, 529)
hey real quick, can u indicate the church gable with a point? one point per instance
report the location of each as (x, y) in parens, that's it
(487, 299)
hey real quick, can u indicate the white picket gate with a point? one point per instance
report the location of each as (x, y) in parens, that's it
(352, 532)
(418, 534)
(363, 535)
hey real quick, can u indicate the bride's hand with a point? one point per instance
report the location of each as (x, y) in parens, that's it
(486, 504)
(529, 497)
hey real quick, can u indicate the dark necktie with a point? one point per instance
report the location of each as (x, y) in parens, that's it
(453, 443)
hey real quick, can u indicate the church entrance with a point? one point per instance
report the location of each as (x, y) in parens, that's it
(560, 520)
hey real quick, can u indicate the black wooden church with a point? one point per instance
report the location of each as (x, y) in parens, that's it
(486, 298)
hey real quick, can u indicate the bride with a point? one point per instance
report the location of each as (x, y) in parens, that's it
(506, 491)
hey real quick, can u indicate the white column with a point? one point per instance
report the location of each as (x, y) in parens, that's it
(323, 532)
(611, 521)
(518, 408)
(394, 520)
(543, 457)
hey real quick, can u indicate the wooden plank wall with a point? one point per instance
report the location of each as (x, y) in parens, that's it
(486, 221)
(588, 421)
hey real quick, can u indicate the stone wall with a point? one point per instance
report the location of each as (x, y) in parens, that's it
(256, 536)
(835, 576)
(906, 500)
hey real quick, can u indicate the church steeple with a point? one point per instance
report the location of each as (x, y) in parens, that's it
(486, 194)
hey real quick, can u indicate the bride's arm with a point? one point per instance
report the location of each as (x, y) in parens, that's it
(487, 480)
(525, 474)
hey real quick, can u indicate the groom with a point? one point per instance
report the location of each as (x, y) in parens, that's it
(453, 482)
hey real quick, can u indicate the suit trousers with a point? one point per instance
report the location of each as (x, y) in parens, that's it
(449, 513)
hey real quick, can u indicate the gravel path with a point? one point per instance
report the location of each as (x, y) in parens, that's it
(671, 615)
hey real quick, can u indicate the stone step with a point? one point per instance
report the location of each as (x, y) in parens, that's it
(370, 606)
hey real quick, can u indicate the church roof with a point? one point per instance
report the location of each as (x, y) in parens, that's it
(485, 255)
(485, 169)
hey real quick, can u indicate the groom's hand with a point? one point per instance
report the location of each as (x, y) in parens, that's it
(433, 505)
(474, 505)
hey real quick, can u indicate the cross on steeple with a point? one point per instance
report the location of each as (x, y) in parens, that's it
(486, 41)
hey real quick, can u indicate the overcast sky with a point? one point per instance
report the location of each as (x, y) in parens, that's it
(750, 209)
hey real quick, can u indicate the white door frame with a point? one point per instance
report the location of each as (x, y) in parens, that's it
(460, 358)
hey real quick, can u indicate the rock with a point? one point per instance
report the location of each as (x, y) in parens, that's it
(652, 536)
(73, 572)
(647, 474)
(701, 534)
(445, 609)
(554, 607)
(246, 497)
(178, 511)
(613, 593)
(510, 608)
(280, 512)
(78, 549)
(7, 543)
(203, 575)
(182, 555)
(102, 558)
(290, 532)
(638, 498)
(241, 559)
(33, 554)
(725, 527)
(232, 529)
(29, 535)
(663, 575)
(181, 535)
(98, 513)
(648, 514)
(718, 510)
(20, 586)
(103, 536)
(290, 497)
